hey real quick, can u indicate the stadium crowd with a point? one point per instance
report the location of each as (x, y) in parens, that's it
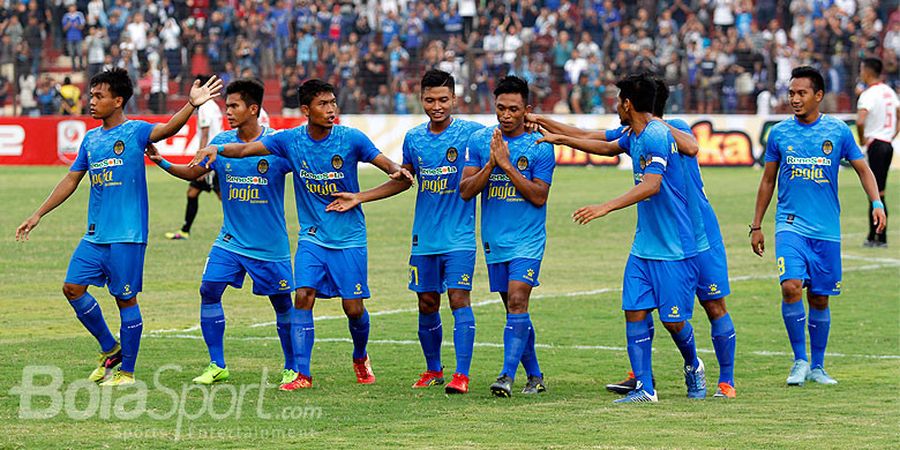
(718, 56)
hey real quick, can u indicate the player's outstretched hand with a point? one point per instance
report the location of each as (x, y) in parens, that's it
(401, 174)
(153, 153)
(879, 219)
(758, 242)
(25, 229)
(586, 214)
(208, 153)
(210, 89)
(343, 201)
(550, 138)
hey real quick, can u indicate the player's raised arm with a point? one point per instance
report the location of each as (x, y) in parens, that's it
(867, 179)
(593, 146)
(199, 95)
(535, 191)
(648, 187)
(555, 127)
(183, 171)
(60, 194)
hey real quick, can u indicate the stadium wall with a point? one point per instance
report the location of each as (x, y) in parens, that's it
(725, 140)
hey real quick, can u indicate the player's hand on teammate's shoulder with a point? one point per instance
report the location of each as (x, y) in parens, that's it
(24, 230)
(201, 94)
(549, 138)
(207, 153)
(588, 213)
(343, 201)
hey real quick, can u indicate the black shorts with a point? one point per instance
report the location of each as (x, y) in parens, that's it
(206, 183)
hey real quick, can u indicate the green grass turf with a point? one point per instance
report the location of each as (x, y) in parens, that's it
(38, 328)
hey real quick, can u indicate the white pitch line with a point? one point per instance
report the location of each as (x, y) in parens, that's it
(496, 345)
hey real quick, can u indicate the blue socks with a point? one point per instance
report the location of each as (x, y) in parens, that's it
(463, 338)
(794, 320)
(515, 338)
(89, 314)
(529, 357)
(640, 347)
(359, 331)
(130, 333)
(819, 326)
(430, 336)
(650, 326)
(212, 320)
(283, 305)
(684, 339)
(303, 335)
(723, 339)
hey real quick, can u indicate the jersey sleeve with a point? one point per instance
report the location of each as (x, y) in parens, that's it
(545, 163)
(656, 147)
(772, 153)
(849, 149)
(204, 118)
(278, 143)
(865, 101)
(624, 143)
(363, 147)
(81, 162)
(614, 134)
(407, 151)
(474, 151)
(681, 125)
(143, 132)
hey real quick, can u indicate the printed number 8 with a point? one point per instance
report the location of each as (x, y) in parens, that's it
(780, 262)
(414, 275)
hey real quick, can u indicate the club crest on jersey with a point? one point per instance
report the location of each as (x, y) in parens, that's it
(262, 166)
(452, 154)
(827, 147)
(522, 163)
(337, 162)
(119, 147)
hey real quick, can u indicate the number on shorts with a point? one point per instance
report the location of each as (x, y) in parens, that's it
(780, 262)
(414, 275)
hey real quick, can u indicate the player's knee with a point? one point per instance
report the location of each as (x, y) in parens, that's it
(304, 298)
(73, 291)
(459, 299)
(429, 303)
(818, 301)
(126, 303)
(792, 290)
(518, 303)
(673, 327)
(354, 309)
(715, 308)
(211, 292)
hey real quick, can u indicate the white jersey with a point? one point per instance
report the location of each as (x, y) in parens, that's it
(210, 116)
(881, 102)
(263, 118)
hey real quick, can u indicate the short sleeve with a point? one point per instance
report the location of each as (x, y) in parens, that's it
(849, 150)
(656, 149)
(617, 133)
(545, 163)
(278, 143)
(474, 151)
(625, 143)
(143, 132)
(865, 101)
(772, 153)
(407, 152)
(204, 118)
(81, 161)
(363, 147)
(680, 125)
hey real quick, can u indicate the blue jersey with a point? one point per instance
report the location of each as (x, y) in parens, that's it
(512, 227)
(808, 158)
(616, 133)
(708, 233)
(322, 168)
(664, 226)
(444, 222)
(252, 202)
(114, 161)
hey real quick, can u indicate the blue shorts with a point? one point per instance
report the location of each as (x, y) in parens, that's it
(664, 285)
(332, 272)
(814, 261)
(269, 277)
(519, 269)
(118, 266)
(437, 273)
(713, 274)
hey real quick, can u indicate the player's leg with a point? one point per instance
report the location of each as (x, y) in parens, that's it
(637, 302)
(880, 156)
(825, 281)
(85, 269)
(425, 280)
(275, 280)
(284, 307)
(793, 272)
(125, 268)
(674, 286)
(348, 270)
(712, 289)
(458, 270)
(498, 279)
(221, 269)
(309, 273)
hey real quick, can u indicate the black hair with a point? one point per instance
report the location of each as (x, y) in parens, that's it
(873, 64)
(639, 90)
(814, 76)
(661, 97)
(437, 78)
(312, 88)
(512, 85)
(118, 81)
(251, 90)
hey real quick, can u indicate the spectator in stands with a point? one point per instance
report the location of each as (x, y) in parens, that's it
(95, 46)
(159, 85)
(47, 96)
(72, 25)
(350, 97)
(382, 103)
(290, 96)
(27, 86)
(70, 98)
(170, 35)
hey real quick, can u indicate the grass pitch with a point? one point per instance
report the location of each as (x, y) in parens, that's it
(575, 311)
